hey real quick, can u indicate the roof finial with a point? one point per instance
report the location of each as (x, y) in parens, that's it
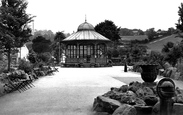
(85, 18)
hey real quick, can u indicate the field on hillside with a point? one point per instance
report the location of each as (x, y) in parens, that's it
(158, 44)
(139, 37)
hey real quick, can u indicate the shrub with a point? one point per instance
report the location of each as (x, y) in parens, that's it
(173, 56)
(136, 68)
(153, 58)
(17, 74)
(3, 66)
(25, 65)
(32, 57)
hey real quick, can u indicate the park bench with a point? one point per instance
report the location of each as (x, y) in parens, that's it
(10, 86)
(55, 69)
(38, 72)
(13, 84)
(44, 70)
(49, 70)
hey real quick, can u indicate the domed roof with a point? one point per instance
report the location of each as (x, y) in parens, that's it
(86, 31)
(86, 26)
(85, 35)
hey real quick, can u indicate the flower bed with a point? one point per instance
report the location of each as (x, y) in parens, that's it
(16, 80)
(21, 81)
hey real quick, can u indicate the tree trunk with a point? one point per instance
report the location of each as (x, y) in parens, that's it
(9, 58)
(59, 53)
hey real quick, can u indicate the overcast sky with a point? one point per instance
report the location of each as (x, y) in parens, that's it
(66, 15)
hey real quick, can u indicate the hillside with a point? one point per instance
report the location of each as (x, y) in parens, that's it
(158, 44)
(130, 38)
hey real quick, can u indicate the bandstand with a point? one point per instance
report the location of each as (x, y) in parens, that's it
(86, 47)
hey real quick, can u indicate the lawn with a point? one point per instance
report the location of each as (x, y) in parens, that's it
(158, 44)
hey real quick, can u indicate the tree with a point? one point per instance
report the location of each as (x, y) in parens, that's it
(130, 32)
(174, 54)
(168, 47)
(179, 25)
(151, 33)
(41, 45)
(141, 32)
(14, 25)
(137, 51)
(48, 34)
(171, 31)
(126, 32)
(109, 30)
(157, 58)
(57, 45)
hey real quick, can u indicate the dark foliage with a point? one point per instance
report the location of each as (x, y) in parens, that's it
(44, 57)
(167, 47)
(174, 54)
(14, 30)
(130, 32)
(179, 25)
(48, 34)
(151, 33)
(32, 57)
(109, 30)
(25, 65)
(57, 46)
(41, 45)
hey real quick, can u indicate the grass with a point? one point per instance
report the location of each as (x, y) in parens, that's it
(158, 44)
(139, 37)
(128, 80)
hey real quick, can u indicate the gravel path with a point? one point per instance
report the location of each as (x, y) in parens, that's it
(70, 91)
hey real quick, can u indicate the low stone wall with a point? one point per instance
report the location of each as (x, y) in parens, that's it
(134, 99)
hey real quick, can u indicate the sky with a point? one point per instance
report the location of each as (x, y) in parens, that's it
(67, 15)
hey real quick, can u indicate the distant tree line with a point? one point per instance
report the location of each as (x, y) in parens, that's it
(48, 34)
(130, 32)
(151, 34)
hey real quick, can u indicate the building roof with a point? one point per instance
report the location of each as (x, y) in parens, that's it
(86, 31)
(86, 26)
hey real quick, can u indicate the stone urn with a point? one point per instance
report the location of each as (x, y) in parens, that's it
(149, 72)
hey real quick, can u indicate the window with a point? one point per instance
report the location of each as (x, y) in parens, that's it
(86, 50)
(74, 51)
(100, 50)
(71, 51)
(81, 51)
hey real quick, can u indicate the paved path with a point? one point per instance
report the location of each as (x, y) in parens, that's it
(70, 91)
